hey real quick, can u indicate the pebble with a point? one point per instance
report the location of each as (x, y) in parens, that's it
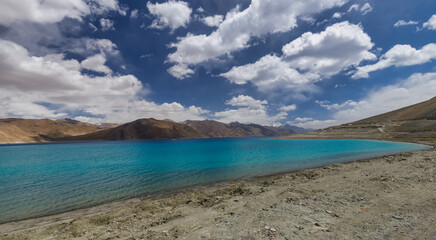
(328, 211)
(397, 217)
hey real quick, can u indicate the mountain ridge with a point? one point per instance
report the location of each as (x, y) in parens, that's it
(17, 130)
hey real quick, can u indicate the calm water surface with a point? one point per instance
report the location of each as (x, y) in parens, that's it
(43, 179)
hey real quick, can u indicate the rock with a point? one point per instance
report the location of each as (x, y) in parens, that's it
(328, 211)
(397, 217)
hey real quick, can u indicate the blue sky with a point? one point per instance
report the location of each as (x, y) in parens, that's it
(307, 63)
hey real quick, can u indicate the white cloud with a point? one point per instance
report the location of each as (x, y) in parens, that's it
(260, 18)
(307, 59)
(51, 11)
(325, 104)
(93, 27)
(134, 13)
(246, 101)
(366, 8)
(213, 21)
(171, 14)
(431, 23)
(399, 55)
(288, 108)
(400, 23)
(106, 24)
(314, 124)
(249, 110)
(270, 73)
(180, 71)
(326, 53)
(104, 46)
(354, 7)
(28, 81)
(200, 10)
(96, 63)
(337, 15)
(303, 119)
(417, 88)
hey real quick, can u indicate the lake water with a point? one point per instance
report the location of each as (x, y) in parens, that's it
(43, 179)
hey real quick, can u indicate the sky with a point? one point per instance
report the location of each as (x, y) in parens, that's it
(309, 63)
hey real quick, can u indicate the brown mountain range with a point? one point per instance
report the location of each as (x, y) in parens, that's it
(212, 128)
(45, 130)
(416, 122)
(16, 130)
(140, 129)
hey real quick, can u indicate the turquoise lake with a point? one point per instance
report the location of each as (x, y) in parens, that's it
(44, 179)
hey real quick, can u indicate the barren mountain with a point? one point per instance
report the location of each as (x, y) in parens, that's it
(212, 128)
(140, 129)
(16, 130)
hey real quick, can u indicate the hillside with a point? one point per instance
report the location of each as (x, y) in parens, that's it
(212, 128)
(16, 130)
(420, 111)
(416, 122)
(140, 129)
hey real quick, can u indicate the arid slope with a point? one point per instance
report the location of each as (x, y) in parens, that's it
(16, 130)
(413, 123)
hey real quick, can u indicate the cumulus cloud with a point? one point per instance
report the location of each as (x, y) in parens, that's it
(106, 24)
(52, 86)
(337, 15)
(171, 14)
(400, 23)
(307, 59)
(248, 110)
(180, 71)
(104, 46)
(52, 11)
(288, 108)
(96, 63)
(326, 53)
(431, 23)
(399, 55)
(246, 101)
(417, 88)
(213, 21)
(260, 18)
(270, 73)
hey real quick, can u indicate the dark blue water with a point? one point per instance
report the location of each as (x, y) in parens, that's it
(43, 179)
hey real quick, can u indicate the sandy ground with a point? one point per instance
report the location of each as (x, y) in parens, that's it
(390, 197)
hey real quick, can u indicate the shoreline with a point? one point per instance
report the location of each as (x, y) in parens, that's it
(40, 223)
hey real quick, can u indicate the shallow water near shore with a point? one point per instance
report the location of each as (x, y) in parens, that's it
(44, 179)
